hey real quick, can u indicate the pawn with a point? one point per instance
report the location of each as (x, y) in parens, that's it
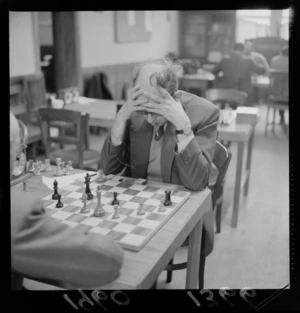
(84, 209)
(116, 213)
(70, 166)
(36, 168)
(67, 169)
(141, 210)
(115, 200)
(59, 204)
(47, 165)
(100, 178)
(167, 198)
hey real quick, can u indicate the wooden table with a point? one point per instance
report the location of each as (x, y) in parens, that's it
(102, 112)
(198, 80)
(242, 134)
(141, 269)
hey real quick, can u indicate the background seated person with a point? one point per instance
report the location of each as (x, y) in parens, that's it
(44, 248)
(183, 154)
(281, 63)
(258, 58)
(235, 72)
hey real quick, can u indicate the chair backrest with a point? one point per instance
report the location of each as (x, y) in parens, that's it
(279, 85)
(17, 100)
(35, 92)
(221, 159)
(79, 137)
(221, 97)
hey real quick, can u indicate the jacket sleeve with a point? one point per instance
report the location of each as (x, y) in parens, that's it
(195, 161)
(115, 158)
(46, 249)
(257, 68)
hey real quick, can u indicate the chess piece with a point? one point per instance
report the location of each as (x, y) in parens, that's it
(99, 211)
(30, 166)
(67, 169)
(59, 204)
(70, 166)
(84, 199)
(47, 165)
(36, 168)
(167, 198)
(59, 171)
(55, 195)
(100, 178)
(42, 166)
(141, 210)
(115, 200)
(116, 213)
(87, 188)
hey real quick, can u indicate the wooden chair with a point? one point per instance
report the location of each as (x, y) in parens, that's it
(279, 96)
(82, 156)
(35, 92)
(221, 159)
(222, 96)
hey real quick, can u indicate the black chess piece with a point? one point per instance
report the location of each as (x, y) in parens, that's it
(168, 198)
(115, 200)
(59, 204)
(87, 188)
(55, 195)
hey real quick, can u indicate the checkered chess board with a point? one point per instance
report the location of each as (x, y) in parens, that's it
(132, 231)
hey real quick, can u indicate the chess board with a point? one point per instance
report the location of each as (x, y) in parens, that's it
(130, 230)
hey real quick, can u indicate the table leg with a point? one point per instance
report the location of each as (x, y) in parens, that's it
(237, 187)
(193, 261)
(248, 162)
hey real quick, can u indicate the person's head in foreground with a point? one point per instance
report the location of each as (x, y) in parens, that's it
(153, 75)
(15, 141)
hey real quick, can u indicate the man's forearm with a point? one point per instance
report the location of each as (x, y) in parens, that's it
(118, 130)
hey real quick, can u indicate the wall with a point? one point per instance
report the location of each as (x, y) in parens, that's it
(98, 46)
(45, 28)
(21, 44)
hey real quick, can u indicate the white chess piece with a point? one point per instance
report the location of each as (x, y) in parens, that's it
(116, 213)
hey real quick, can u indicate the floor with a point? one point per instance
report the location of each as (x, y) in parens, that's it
(256, 253)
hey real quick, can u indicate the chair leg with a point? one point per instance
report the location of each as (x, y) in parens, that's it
(218, 217)
(201, 272)
(267, 120)
(274, 117)
(170, 272)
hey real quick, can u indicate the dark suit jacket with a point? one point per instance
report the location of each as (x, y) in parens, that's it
(190, 168)
(43, 248)
(237, 71)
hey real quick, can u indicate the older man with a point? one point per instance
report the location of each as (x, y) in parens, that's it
(163, 134)
(43, 248)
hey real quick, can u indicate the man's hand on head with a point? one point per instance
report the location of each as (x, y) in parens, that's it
(133, 103)
(166, 106)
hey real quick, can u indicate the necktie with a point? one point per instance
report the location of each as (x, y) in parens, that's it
(159, 133)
